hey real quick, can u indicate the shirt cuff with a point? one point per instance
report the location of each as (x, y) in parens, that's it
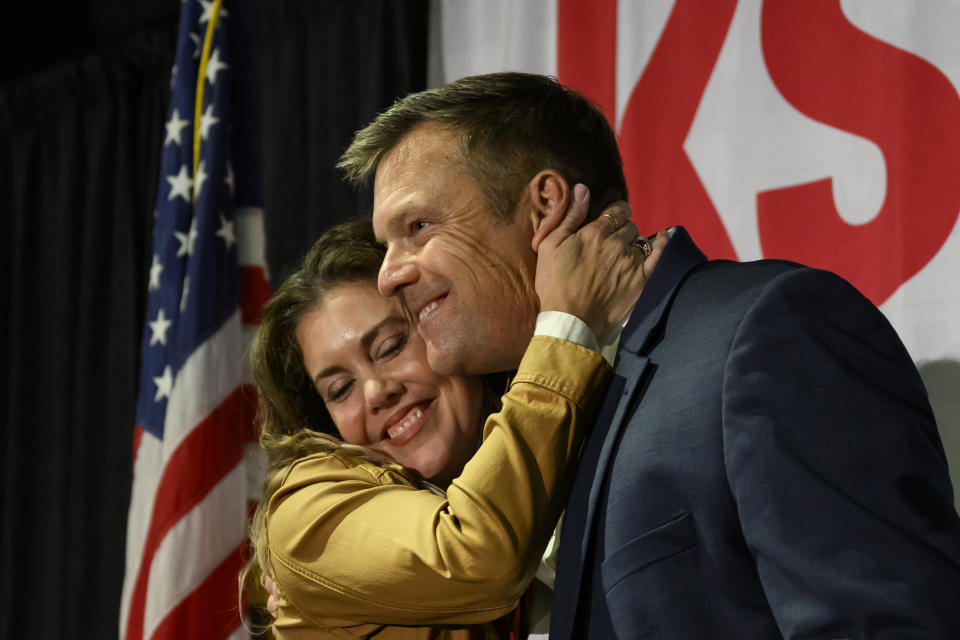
(566, 326)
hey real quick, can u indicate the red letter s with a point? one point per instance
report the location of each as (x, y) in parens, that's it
(843, 77)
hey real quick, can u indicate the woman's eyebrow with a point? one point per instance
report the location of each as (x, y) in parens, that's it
(365, 341)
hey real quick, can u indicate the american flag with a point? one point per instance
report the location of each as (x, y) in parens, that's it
(195, 462)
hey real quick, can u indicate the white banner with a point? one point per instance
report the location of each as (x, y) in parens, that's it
(819, 131)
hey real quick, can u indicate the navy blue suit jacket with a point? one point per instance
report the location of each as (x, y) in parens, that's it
(766, 465)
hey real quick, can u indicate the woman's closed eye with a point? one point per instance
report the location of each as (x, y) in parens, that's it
(339, 389)
(391, 346)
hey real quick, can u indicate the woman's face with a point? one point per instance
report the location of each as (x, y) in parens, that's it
(371, 370)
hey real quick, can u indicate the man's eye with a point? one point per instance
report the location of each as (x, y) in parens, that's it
(418, 225)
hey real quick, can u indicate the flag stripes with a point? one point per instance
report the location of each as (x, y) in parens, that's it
(194, 467)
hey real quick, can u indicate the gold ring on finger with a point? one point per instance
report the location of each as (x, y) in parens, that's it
(613, 219)
(644, 245)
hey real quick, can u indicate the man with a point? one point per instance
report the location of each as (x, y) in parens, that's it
(766, 462)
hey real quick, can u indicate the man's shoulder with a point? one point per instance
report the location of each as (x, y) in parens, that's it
(729, 282)
(779, 291)
(754, 270)
(720, 277)
(722, 291)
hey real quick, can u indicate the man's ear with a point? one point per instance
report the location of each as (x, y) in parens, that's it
(549, 195)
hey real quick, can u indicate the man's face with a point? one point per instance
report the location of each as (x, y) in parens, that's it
(467, 278)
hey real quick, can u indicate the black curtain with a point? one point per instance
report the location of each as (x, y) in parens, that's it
(79, 160)
(327, 67)
(79, 157)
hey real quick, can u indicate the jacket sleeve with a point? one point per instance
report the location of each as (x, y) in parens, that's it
(358, 544)
(837, 469)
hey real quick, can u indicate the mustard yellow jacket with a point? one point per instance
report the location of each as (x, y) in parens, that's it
(358, 550)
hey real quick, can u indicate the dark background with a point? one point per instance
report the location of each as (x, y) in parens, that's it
(83, 99)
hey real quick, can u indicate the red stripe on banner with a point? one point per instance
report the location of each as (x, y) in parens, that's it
(204, 457)
(835, 73)
(587, 51)
(254, 292)
(137, 437)
(665, 189)
(212, 609)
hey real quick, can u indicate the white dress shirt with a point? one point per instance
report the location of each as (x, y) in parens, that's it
(566, 327)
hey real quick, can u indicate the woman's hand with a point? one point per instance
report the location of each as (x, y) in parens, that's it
(598, 272)
(273, 599)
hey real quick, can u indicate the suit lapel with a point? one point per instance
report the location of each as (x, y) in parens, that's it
(680, 256)
(629, 368)
(678, 259)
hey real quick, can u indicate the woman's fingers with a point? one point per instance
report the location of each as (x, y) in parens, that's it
(273, 597)
(597, 272)
(573, 217)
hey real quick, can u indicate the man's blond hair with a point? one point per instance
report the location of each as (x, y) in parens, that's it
(511, 126)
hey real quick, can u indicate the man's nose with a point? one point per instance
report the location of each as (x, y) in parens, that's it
(381, 393)
(396, 272)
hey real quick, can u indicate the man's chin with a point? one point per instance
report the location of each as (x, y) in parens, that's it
(466, 360)
(443, 361)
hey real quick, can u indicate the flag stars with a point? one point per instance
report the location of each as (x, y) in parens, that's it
(185, 294)
(199, 179)
(187, 240)
(164, 384)
(159, 328)
(208, 11)
(180, 185)
(175, 127)
(207, 120)
(197, 44)
(226, 231)
(229, 178)
(215, 66)
(155, 270)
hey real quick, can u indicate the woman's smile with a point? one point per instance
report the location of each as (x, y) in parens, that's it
(370, 367)
(406, 423)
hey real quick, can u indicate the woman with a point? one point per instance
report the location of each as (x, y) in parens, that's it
(424, 521)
